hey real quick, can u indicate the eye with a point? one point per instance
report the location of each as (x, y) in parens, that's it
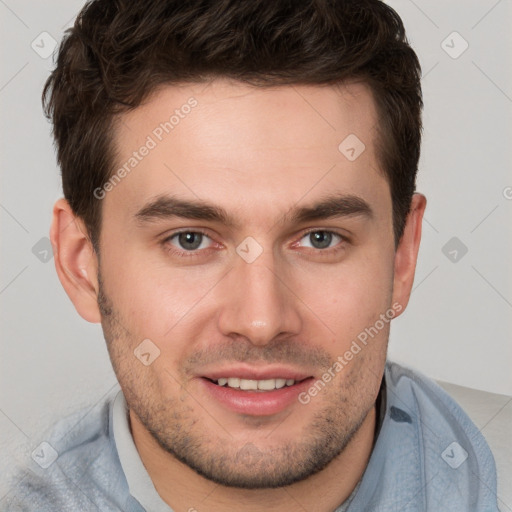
(190, 240)
(321, 239)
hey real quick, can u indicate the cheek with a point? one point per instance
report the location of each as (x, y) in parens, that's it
(350, 297)
(158, 301)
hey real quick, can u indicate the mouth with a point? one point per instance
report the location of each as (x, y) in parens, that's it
(255, 393)
(255, 385)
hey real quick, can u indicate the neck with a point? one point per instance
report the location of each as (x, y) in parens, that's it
(183, 489)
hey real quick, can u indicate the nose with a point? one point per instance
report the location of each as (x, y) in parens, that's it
(258, 302)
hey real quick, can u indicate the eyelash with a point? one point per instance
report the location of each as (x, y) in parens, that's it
(331, 251)
(186, 254)
(199, 252)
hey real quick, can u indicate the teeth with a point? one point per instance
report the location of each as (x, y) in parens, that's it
(248, 384)
(280, 383)
(267, 385)
(251, 385)
(233, 383)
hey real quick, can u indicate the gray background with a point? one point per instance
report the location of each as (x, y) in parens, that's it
(458, 326)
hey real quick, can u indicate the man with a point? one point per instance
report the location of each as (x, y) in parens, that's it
(240, 215)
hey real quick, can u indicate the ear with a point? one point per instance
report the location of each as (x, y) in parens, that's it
(407, 252)
(75, 260)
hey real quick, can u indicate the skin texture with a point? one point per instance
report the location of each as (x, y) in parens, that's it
(258, 153)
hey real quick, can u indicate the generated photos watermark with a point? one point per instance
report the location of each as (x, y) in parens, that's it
(356, 347)
(152, 140)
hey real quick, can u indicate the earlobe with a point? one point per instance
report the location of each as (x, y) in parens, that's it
(407, 252)
(76, 261)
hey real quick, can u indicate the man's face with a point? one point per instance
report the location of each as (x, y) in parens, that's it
(259, 289)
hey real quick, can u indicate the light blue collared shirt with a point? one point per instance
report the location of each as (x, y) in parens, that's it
(428, 456)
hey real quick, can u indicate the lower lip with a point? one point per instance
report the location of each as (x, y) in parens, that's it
(256, 403)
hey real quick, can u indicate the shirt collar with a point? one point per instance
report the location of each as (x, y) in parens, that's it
(139, 482)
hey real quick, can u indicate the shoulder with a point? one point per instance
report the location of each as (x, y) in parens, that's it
(454, 457)
(76, 467)
(430, 402)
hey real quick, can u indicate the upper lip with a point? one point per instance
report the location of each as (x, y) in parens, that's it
(256, 373)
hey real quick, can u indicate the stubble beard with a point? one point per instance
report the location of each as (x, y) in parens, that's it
(256, 464)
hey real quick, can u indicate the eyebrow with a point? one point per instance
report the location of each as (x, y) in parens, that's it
(167, 207)
(333, 206)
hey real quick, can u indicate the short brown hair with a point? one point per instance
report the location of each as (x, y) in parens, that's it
(120, 51)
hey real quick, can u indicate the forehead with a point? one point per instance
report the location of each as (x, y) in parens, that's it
(254, 148)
